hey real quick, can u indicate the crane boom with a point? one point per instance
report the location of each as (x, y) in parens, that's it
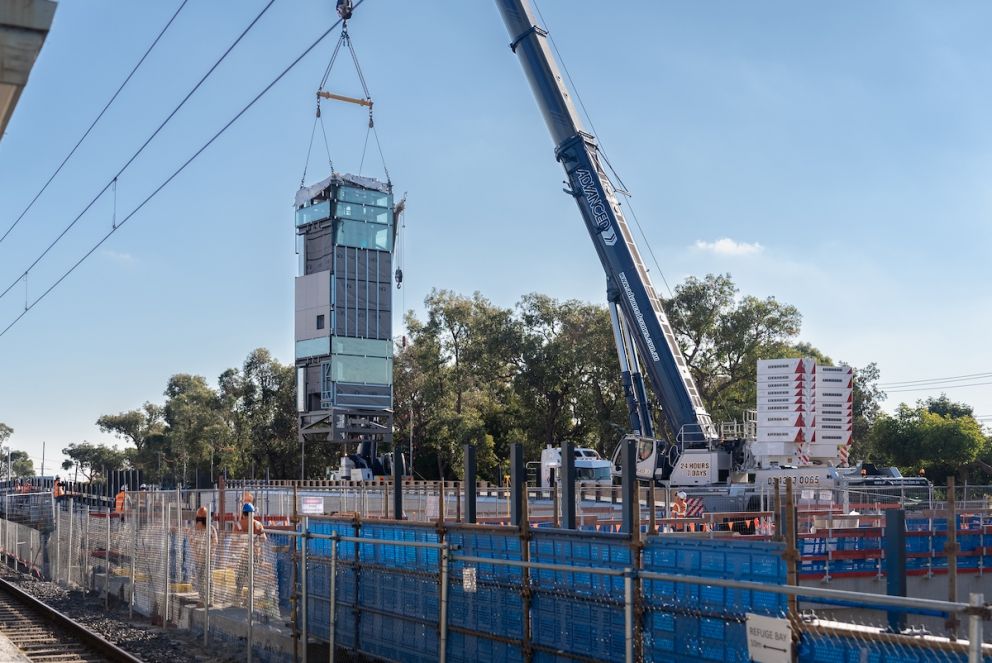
(628, 283)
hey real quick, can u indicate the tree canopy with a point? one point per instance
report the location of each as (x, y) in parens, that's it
(937, 435)
(540, 372)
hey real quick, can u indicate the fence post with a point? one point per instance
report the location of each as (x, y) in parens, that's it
(86, 550)
(975, 635)
(208, 570)
(106, 566)
(791, 549)
(397, 485)
(443, 617)
(895, 563)
(332, 636)
(251, 581)
(628, 612)
(68, 574)
(951, 550)
(304, 611)
(567, 482)
(652, 517)
(4, 527)
(518, 483)
(470, 483)
(57, 510)
(629, 485)
(166, 520)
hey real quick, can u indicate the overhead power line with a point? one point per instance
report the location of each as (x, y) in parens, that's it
(928, 381)
(181, 168)
(936, 387)
(141, 149)
(93, 124)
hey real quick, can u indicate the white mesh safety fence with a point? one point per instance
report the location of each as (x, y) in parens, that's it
(153, 551)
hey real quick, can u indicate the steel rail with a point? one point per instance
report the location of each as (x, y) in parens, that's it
(68, 625)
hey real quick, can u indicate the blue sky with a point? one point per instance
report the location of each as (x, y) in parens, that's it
(835, 158)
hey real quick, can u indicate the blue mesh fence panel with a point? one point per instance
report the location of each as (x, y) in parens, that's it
(816, 648)
(704, 622)
(581, 613)
(387, 602)
(495, 607)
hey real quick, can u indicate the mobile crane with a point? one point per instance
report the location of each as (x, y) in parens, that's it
(690, 452)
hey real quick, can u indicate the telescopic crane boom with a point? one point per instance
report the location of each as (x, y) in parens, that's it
(641, 328)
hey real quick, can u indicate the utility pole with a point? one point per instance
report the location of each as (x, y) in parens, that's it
(42, 473)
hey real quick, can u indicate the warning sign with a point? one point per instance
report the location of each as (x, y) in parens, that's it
(312, 505)
(769, 639)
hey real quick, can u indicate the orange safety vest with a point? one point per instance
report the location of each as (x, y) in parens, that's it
(679, 509)
(119, 502)
(57, 489)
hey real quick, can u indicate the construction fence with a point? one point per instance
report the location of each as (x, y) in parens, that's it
(422, 591)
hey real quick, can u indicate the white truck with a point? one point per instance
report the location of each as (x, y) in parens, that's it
(589, 467)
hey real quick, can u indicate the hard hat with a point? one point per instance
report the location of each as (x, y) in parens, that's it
(143, 486)
(124, 488)
(681, 494)
(248, 508)
(201, 512)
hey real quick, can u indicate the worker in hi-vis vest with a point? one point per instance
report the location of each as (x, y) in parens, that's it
(120, 500)
(58, 490)
(679, 507)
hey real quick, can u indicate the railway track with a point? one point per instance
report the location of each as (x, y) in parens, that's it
(46, 635)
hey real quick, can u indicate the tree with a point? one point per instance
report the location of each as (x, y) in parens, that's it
(723, 335)
(92, 460)
(569, 386)
(193, 419)
(134, 426)
(258, 408)
(916, 437)
(476, 373)
(21, 464)
(867, 408)
(945, 407)
(454, 378)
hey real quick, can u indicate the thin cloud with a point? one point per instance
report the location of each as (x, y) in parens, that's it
(730, 247)
(120, 258)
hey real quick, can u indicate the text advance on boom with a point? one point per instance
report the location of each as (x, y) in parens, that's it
(597, 206)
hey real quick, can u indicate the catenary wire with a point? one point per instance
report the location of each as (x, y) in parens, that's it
(140, 149)
(181, 168)
(92, 124)
(602, 150)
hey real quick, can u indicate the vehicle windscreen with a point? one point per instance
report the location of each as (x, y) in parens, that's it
(592, 473)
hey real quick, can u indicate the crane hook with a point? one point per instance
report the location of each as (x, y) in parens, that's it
(345, 9)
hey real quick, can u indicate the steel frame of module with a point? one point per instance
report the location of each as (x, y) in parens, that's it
(345, 233)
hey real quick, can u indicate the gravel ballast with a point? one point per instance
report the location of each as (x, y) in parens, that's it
(151, 644)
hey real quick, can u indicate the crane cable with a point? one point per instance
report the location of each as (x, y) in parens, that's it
(622, 189)
(179, 169)
(345, 40)
(93, 124)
